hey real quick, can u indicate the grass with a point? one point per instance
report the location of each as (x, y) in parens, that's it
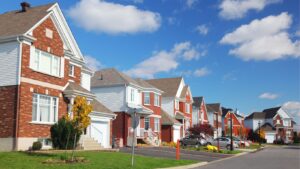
(97, 160)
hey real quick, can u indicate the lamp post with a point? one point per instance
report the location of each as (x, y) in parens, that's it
(231, 139)
(259, 133)
(218, 132)
(134, 125)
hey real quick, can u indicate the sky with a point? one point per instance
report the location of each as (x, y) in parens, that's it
(244, 54)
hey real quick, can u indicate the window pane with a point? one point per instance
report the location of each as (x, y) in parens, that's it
(44, 108)
(45, 63)
(34, 108)
(36, 60)
(54, 109)
(147, 123)
(146, 98)
(55, 66)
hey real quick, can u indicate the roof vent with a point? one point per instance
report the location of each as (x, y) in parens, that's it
(25, 6)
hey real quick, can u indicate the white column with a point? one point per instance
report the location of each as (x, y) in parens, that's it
(70, 106)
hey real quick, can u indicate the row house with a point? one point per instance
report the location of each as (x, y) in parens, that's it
(230, 117)
(200, 115)
(176, 104)
(276, 123)
(126, 97)
(214, 112)
(42, 70)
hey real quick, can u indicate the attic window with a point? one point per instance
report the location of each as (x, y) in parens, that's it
(49, 33)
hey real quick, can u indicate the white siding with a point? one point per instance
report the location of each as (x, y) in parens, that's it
(168, 105)
(112, 97)
(86, 81)
(9, 65)
(137, 96)
(210, 118)
(255, 123)
(195, 119)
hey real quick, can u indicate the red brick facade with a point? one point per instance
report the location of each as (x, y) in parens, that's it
(237, 128)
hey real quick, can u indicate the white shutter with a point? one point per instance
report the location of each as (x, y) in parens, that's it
(32, 53)
(62, 67)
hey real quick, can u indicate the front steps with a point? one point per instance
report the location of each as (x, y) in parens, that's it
(91, 144)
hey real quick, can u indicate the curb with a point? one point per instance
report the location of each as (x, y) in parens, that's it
(187, 166)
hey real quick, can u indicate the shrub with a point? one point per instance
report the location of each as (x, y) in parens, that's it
(201, 128)
(36, 145)
(63, 134)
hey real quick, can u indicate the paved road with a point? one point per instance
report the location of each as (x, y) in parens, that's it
(270, 158)
(171, 153)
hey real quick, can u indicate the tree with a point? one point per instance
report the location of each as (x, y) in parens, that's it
(201, 128)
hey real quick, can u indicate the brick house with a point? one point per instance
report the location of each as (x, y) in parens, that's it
(214, 112)
(237, 123)
(41, 72)
(177, 103)
(200, 115)
(125, 96)
(278, 122)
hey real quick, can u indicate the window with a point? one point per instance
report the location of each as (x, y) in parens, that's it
(277, 121)
(147, 98)
(46, 63)
(176, 104)
(132, 95)
(49, 33)
(156, 124)
(71, 70)
(156, 100)
(147, 123)
(187, 108)
(44, 108)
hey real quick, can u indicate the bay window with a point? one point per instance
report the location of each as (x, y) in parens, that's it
(147, 98)
(45, 62)
(156, 124)
(44, 108)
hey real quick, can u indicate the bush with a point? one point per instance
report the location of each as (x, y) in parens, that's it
(201, 128)
(36, 145)
(63, 134)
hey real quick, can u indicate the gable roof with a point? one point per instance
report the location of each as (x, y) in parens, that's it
(213, 107)
(167, 119)
(267, 127)
(168, 85)
(99, 107)
(256, 115)
(183, 92)
(16, 22)
(197, 101)
(271, 112)
(146, 85)
(225, 111)
(111, 77)
(78, 89)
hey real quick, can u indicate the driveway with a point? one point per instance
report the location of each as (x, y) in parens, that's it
(269, 158)
(171, 153)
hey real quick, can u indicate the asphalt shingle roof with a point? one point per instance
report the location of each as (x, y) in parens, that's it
(167, 119)
(99, 107)
(213, 107)
(168, 85)
(197, 101)
(256, 115)
(271, 112)
(16, 22)
(76, 87)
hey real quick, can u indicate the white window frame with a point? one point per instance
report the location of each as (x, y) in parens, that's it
(36, 62)
(156, 124)
(156, 100)
(148, 96)
(147, 120)
(177, 104)
(72, 70)
(53, 109)
(187, 108)
(132, 95)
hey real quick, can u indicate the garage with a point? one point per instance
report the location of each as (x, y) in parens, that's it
(100, 132)
(176, 133)
(270, 137)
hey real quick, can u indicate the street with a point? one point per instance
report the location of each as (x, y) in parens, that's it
(269, 158)
(171, 153)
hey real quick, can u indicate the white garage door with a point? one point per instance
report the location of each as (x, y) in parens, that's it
(100, 132)
(270, 137)
(176, 135)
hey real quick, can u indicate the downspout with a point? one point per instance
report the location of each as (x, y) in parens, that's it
(15, 146)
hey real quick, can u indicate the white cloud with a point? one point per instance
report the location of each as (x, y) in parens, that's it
(164, 61)
(138, 1)
(113, 18)
(93, 63)
(201, 72)
(235, 9)
(293, 107)
(190, 3)
(298, 33)
(269, 96)
(202, 29)
(265, 39)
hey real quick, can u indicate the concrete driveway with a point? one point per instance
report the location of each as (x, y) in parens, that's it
(171, 153)
(274, 157)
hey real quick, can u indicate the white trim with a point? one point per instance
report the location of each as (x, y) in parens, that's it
(20, 60)
(37, 24)
(44, 123)
(40, 83)
(154, 115)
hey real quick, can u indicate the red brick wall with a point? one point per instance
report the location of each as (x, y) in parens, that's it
(120, 126)
(156, 110)
(8, 109)
(236, 124)
(166, 133)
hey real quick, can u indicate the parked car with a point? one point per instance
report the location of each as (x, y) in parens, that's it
(223, 142)
(193, 140)
(240, 142)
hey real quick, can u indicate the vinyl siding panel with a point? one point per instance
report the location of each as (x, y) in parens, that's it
(9, 65)
(168, 105)
(113, 98)
(86, 81)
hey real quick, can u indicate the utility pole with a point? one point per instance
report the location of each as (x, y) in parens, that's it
(218, 132)
(231, 139)
(134, 125)
(259, 133)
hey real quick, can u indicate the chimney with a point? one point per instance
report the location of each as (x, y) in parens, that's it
(25, 6)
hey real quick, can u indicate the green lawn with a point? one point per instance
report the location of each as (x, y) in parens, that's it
(97, 160)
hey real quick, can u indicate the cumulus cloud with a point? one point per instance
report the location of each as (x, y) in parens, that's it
(201, 72)
(93, 63)
(235, 9)
(293, 107)
(269, 96)
(164, 61)
(190, 3)
(202, 29)
(266, 39)
(113, 18)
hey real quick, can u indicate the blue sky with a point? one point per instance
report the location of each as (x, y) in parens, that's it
(244, 54)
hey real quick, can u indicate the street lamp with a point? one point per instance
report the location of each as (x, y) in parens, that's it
(231, 139)
(259, 133)
(134, 125)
